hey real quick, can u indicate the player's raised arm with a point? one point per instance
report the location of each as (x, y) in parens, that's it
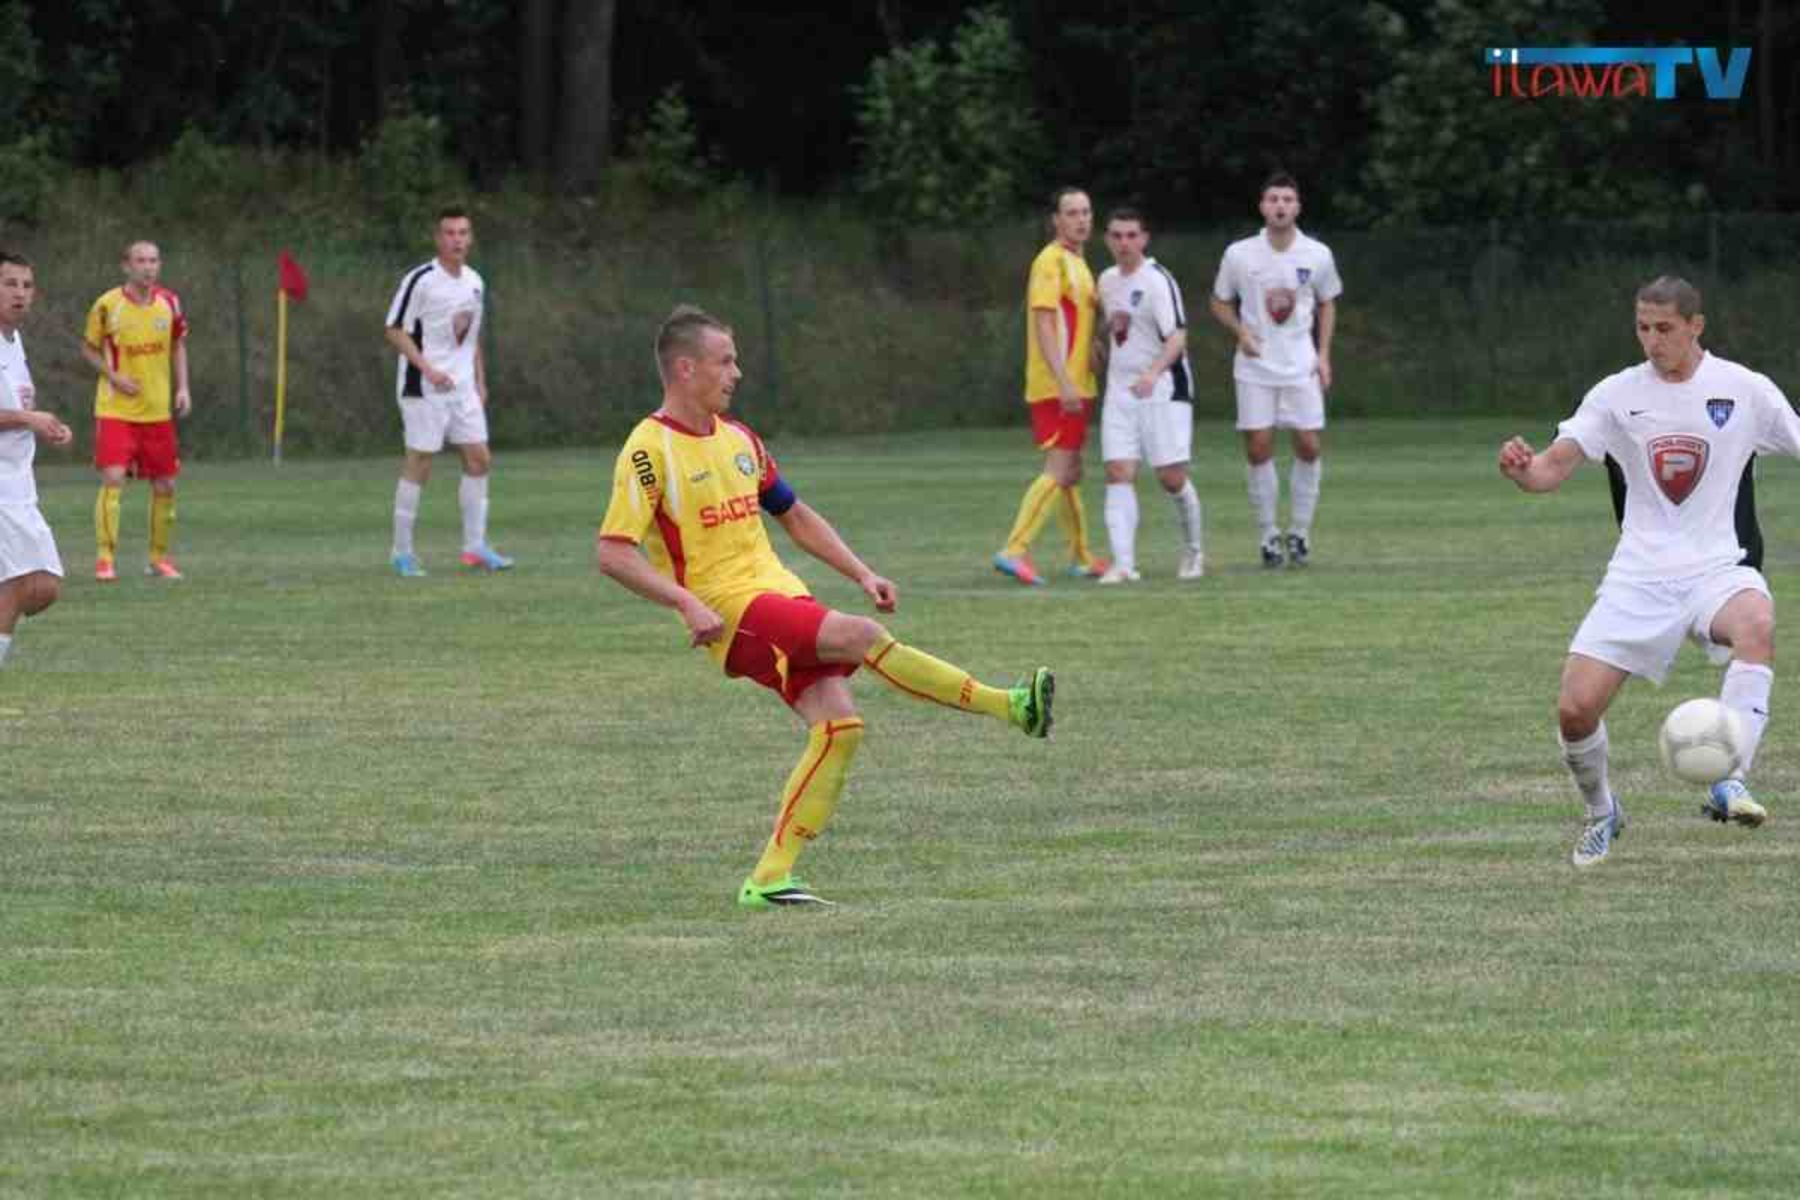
(815, 535)
(1534, 472)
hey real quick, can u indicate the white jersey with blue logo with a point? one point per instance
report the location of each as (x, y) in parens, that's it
(1683, 448)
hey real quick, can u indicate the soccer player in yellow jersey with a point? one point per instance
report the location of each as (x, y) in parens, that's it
(1059, 389)
(684, 528)
(136, 337)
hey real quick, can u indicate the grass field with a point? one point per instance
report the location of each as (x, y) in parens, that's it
(317, 882)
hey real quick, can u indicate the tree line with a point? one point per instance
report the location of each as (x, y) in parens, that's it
(929, 114)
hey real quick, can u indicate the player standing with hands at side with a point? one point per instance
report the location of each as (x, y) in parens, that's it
(136, 337)
(1682, 424)
(434, 324)
(1148, 412)
(1274, 292)
(30, 569)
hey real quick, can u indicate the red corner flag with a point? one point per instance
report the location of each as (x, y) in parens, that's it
(293, 279)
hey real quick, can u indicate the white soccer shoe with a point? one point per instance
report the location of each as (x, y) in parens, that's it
(1597, 836)
(1118, 574)
(1729, 800)
(1193, 565)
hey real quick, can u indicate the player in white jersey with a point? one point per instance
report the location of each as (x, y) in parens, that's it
(435, 325)
(1277, 294)
(1149, 407)
(30, 569)
(1682, 425)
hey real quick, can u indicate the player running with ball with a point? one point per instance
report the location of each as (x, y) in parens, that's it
(1682, 424)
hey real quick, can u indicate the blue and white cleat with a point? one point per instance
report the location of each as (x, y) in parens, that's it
(1729, 800)
(1597, 836)
(485, 558)
(407, 566)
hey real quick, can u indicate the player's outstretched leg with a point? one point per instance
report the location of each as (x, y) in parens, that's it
(918, 674)
(807, 803)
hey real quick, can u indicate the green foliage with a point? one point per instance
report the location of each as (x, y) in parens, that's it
(949, 136)
(29, 172)
(407, 174)
(666, 150)
(1445, 148)
(20, 73)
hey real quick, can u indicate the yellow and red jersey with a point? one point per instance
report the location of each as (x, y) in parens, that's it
(138, 341)
(1062, 283)
(694, 501)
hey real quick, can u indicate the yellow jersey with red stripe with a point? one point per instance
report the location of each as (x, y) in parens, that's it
(138, 341)
(1062, 283)
(694, 502)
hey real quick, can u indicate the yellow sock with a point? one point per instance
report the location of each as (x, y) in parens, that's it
(162, 524)
(1034, 510)
(919, 674)
(1071, 515)
(106, 522)
(811, 795)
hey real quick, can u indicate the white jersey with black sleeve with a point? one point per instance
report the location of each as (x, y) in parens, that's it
(442, 313)
(1142, 311)
(1683, 447)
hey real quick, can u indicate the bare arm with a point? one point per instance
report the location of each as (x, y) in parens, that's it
(43, 424)
(183, 399)
(480, 375)
(621, 561)
(1325, 326)
(1534, 472)
(122, 384)
(408, 349)
(1043, 326)
(1225, 312)
(1173, 347)
(814, 534)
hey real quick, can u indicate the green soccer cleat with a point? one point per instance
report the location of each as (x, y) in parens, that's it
(1030, 702)
(786, 892)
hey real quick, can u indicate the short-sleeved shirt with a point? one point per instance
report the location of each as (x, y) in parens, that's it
(1142, 311)
(442, 313)
(694, 502)
(18, 447)
(1278, 293)
(1061, 282)
(137, 341)
(1683, 448)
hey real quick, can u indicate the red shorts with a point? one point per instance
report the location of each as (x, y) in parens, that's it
(777, 645)
(146, 449)
(1054, 429)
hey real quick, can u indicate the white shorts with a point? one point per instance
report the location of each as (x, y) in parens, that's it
(1159, 432)
(1288, 406)
(25, 543)
(1639, 626)
(458, 418)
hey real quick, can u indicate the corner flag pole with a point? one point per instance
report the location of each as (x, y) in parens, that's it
(281, 301)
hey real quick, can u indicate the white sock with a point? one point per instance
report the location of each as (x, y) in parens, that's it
(406, 513)
(1265, 489)
(1586, 761)
(1303, 493)
(1187, 511)
(471, 494)
(5, 647)
(1746, 689)
(1121, 524)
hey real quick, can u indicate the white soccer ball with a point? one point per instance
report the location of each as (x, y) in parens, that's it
(1702, 741)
